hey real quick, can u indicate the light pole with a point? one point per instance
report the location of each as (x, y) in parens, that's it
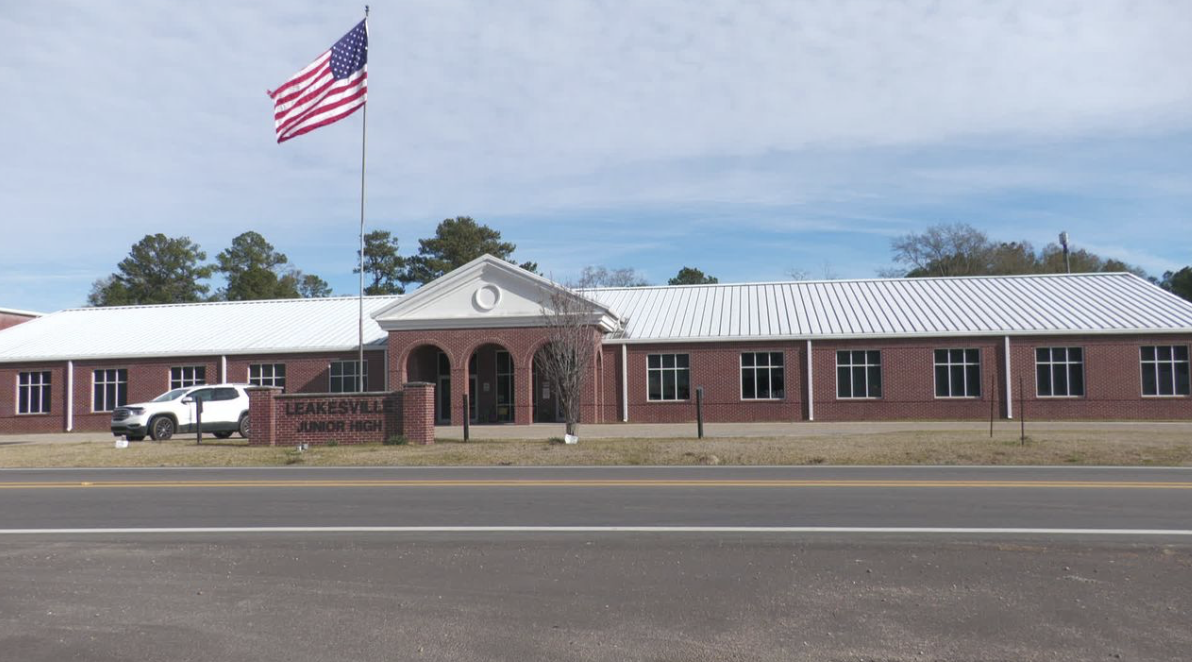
(1064, 243)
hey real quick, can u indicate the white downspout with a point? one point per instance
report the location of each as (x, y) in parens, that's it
(70, 396)
(810, 384)
(624, 383)
(1009, 383)
(223, 369)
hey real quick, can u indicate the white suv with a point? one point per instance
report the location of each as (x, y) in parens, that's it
(225, 410)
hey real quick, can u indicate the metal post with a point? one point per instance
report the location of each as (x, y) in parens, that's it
(992, 402)
(699, 410)
(198, 421)
(1022, 409)
(360, 319)
(467, 419)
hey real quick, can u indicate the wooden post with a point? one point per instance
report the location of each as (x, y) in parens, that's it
(699, 410)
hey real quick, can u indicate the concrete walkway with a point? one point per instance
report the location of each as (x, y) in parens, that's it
(688, 430)
(785, 429)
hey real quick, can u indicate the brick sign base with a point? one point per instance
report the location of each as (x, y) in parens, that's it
(341, 418)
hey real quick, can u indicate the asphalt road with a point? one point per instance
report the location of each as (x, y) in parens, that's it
(242, 588)
(946, 497)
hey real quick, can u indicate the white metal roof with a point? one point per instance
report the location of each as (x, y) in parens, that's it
(903, 307)
(227, 328)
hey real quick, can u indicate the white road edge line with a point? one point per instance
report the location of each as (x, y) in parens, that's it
(605, 529)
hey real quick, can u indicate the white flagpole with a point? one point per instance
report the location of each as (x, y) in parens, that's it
(360, 319)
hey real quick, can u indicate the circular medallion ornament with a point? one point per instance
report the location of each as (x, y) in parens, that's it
(487, 297)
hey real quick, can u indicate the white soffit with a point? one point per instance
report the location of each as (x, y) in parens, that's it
(905, 307)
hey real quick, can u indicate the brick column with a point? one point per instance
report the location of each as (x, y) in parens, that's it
(523, 394)
(262, 415)
(418, 412)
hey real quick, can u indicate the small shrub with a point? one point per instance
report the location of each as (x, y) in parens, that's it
(332, 442)
(293, 456)
(396, 440)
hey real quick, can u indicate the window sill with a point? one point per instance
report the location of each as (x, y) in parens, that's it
(1061, 397)
(35, 413)
(856, 399)
(664, 402)
(1177, 396)
(763, 400)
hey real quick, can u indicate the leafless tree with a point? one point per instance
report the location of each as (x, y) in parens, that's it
(955, 249)
(566, 360)
(600, 276)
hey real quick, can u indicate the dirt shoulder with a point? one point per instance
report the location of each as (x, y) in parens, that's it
(1067, 445)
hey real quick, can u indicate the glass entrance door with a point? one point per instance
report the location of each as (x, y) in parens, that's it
(504, 387)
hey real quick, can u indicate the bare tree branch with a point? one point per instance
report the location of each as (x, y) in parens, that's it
(566, 360)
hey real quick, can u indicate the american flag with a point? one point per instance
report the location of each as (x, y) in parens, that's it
(327, 90)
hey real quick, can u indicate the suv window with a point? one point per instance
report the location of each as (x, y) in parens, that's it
(225, 394)
(204, 394)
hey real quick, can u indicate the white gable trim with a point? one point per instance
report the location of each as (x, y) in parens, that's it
(463, 298)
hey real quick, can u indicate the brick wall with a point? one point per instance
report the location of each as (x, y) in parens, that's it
(340, 418)
(54, 421)
(717, 368)
(908, 381)
(459, 344)
(150, 377)
(1113, 379)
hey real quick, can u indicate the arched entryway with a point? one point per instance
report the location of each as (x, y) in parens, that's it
(428, 363)
(547, 407)
(492, 387)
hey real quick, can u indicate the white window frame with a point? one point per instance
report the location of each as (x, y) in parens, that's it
(755, 368)
(271, 379)
(331, 376)
(45, 399)
(673, 374)
(1067, 363)
(183, 381)
(881, 376)
(121, 388)
(964, 364)
(1173, 362)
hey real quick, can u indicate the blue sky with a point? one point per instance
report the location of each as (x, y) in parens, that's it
(744, 138)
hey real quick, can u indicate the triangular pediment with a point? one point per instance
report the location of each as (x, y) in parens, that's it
(485, 293)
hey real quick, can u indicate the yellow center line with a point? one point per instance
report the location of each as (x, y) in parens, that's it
(1032, 484)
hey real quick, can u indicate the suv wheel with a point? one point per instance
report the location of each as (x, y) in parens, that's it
(244, 426)
(161, 428)
(222, 435)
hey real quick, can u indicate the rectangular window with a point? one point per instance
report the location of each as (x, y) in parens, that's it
(267, 374)
(859, 374)
(1059, 372)
(187, 376)
(33, 392)
(1165, 370)
(668, 376)
(109, 389)
(344, 376)
(957, 373)
(762, 376)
